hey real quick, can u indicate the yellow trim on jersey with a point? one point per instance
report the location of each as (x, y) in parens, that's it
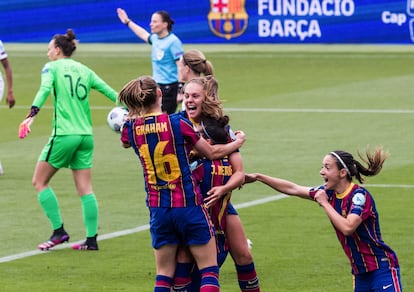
(152, 114)
(341, 196)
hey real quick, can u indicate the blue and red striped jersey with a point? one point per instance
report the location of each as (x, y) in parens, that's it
(163, 142)
(211, 173)
(365, 248)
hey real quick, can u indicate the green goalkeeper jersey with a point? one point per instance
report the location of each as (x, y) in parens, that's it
(69, 82)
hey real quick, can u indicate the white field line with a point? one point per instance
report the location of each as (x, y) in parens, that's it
(146, 227)
(277, 110)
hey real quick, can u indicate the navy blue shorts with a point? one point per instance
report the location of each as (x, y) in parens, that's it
(222, 249)
(189, 226)
(387, 280)
(231, 210)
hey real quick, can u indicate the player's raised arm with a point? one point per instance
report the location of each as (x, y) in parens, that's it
(137, 29)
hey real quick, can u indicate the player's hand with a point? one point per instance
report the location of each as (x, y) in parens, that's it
(24, 127)
(123, 16)
(213, 195)
(10, 100)
(250, 178)
(240, 137)
(321, 197)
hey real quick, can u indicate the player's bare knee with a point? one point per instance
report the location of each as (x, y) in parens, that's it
(38, 186)
(242, 258)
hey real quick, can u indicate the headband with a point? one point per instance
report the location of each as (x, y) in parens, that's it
(342, 163)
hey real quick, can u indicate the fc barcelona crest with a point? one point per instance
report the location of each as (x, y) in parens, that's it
(227, 18)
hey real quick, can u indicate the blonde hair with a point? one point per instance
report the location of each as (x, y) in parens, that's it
(197, 62)
(211, 105)
(138, 94)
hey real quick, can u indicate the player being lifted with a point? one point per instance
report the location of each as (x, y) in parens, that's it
(177, 213)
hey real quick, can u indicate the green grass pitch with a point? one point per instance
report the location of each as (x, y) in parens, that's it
(295, 103)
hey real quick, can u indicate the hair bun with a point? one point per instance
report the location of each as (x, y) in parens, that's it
(70, 34)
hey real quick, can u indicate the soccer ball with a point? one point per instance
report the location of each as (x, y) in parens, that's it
(116, 118)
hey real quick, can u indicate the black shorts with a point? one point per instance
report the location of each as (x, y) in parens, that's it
(169, 97)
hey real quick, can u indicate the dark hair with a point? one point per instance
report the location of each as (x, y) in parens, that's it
(165, 16)
(197, 62)
(138, 94)
(353, 167)
(66, 42)
(215, 130)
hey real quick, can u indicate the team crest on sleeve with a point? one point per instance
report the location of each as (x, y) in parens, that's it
(45, 69)
(358, 199)
(227, 18)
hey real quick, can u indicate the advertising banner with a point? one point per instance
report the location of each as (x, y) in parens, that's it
(216, 21)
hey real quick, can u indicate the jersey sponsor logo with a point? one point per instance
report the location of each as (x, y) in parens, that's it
(228, 18)
(168, 186)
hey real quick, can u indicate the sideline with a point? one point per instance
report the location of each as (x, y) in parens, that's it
(146, 227)
(127, 231)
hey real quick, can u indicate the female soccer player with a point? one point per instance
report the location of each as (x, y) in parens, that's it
(217, 179)
(351, 209)
(9, 77)
(177, 214)
(201, 101)
(192, 64)
(166, 51)
(9, 80)
(71, 142)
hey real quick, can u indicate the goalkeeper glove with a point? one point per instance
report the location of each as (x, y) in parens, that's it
(24, 127)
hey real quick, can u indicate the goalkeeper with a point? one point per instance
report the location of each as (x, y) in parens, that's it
(71, 143)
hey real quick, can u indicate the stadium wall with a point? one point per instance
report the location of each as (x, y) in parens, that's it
(216, 21)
